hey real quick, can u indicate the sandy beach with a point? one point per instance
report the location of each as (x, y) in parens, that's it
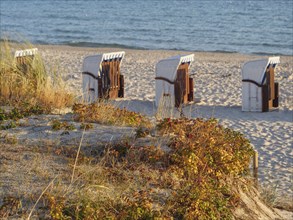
(217, 92)
(217, 78)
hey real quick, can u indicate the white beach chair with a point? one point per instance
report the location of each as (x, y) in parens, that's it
(173, 81)
(101, 76)
(24, 58)
(259, 91)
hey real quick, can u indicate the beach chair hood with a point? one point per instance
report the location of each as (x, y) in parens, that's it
(27, 52)
(92, 64)
(167, 68)
(255, 70)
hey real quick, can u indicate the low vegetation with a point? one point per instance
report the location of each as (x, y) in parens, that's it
(21, 111)
(58, 125)
(104, 113)
(86, 126)
(194, 179)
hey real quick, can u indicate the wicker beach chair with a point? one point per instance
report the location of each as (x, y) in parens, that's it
(260, 92)
(101, 77)
(24, 59)
(173, 80)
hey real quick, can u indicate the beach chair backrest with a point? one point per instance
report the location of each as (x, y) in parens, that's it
(101, 76)
(173, 80)
(259, 90)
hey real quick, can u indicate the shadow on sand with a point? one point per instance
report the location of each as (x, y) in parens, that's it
(196, 110)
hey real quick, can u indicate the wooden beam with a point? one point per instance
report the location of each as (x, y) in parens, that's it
(255, 167)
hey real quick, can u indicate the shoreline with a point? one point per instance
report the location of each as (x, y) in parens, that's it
(126, 47)
(121, 46)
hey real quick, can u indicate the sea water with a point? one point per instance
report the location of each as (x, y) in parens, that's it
(243, 26)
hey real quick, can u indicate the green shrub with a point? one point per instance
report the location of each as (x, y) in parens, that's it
(58, 125)
(86, 126)
(3, 115)
(21, 111)
(205, 154)
(10, 125)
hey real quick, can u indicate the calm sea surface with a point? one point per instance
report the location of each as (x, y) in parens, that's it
(259, 26)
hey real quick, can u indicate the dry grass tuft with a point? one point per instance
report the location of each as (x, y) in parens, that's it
(105, 113)
(29, 84)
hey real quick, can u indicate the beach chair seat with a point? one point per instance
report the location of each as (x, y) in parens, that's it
(101, 77)
(260, 92)
(173, 80)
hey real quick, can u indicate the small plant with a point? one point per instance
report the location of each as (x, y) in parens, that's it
(142, 132)
(16, 114)
(56, 205)
(10, 125)
(86, 126)
(11, 139)
(3, 115)
(10, 206)
(24, 110)
(269, 194)
(58, 125)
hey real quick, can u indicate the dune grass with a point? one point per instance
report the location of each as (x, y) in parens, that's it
(105, 113)
(29, 85)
